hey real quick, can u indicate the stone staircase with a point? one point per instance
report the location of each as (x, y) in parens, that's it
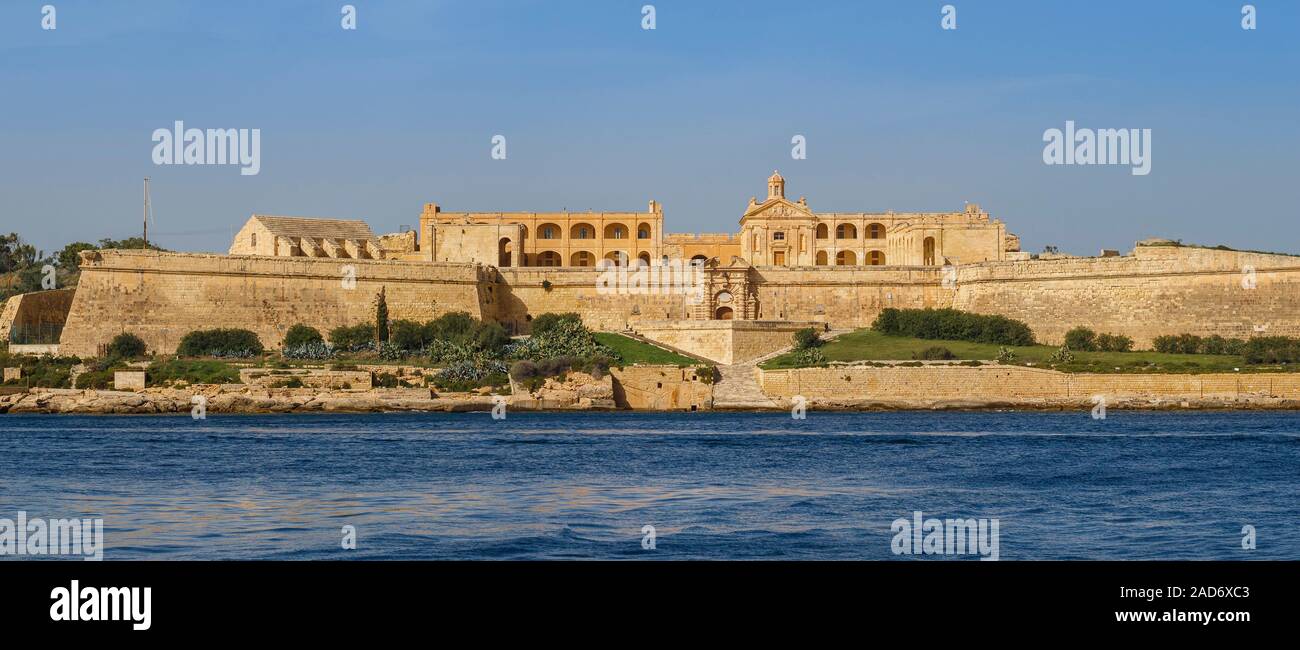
(737, 388)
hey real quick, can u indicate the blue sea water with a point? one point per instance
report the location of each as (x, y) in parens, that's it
(714, 485)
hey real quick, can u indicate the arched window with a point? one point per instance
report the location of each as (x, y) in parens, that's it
(821, 258)
(644, 257)
(846, 258)
(643, 231)
(616, 231)
(822, 231)
(846, 231)
(548, 258)
(619, 258)
(927, 251)
(505, 251)
(876, 231)
(582, 258)
(548, 231)
(253, 236)
(699, 260)
(582, 231)
(876, 258)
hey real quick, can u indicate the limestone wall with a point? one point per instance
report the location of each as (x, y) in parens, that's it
(846, 297)
(1012, 383)
(35, 316)
(1158, 290)
(530, 291)
(658, 387)
(162, 296)
(723, 341)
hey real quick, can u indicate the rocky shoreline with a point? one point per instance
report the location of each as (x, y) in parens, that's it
(256, 400)
(578, 392)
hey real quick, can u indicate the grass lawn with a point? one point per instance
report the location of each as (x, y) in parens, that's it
(634, 351)
(869, 345)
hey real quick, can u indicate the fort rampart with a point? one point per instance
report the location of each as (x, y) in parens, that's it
(162, 296)
(1157, 290)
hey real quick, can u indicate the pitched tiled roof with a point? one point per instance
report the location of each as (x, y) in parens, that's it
(316, 228)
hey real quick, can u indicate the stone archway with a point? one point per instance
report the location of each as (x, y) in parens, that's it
(723, 313)
(505, 250)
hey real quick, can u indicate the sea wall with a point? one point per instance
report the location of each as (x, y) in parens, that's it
(662, 388)
(997, 384)
(162, 296)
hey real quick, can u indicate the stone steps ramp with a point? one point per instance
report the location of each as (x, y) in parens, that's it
(737, 388)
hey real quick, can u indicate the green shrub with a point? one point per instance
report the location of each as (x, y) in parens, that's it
(162, 373)
(953, 325)
(1272, 350)
(220, 343)
(490, 337)
(1062, 355)
(95, 379)
(809, 357)
(454, 327)
(352, 338)
(301, 335)
(523, 369)
(1082, 339)
(1114, 343)
(408, 335)
(806, 338)
(1006, 355)
(455, 331)
(1166, 344)
(1192, 344)
(546, 322)
(126, 346)
(318, 351)
(45, 371)
(567, 338)
(935, 353)
(389, 352)
(554, 367)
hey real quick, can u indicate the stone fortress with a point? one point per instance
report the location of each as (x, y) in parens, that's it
(787, 267)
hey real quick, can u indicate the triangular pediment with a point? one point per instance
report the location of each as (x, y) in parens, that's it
(778, 208)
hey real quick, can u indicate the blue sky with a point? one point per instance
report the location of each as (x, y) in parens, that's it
(600, 114)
